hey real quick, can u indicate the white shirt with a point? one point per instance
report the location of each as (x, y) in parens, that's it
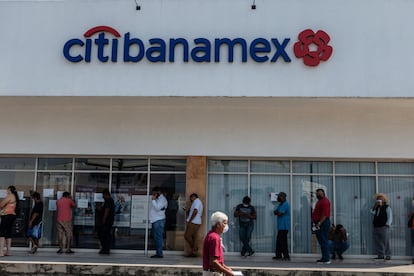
(157, 211)
(197, 204)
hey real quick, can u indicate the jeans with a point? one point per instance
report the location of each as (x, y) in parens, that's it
(338, 247)
(322, 236)
(105, 237)
(158, 234)
(245, 234)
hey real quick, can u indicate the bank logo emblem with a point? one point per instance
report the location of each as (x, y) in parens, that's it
(319, 40)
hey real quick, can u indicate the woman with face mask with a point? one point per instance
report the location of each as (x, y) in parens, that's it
(213, 261)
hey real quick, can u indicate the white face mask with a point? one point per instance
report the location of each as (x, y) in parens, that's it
(226, 228)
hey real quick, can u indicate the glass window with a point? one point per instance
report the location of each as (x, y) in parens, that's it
(170, 165)
(129, 164)
(354, 198)
(173, 186)
(17, 163)
(129, 191)
(49, 184)
(227, 166)
(355, 167)
(57, 164)
(225, 192)
(395, 168)
(312, 167)
(92, 164)
(400, 193)
(88, 188)
(303, 202)
(270, 166)
(264, 238)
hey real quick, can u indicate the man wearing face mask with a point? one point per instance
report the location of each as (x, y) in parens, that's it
(246, 214)
(321, 218)
(283, 225)
(382, 221)
(213, 261)
(193, 224)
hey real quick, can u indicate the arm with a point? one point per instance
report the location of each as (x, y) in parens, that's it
(5, 201)
(193, 215)
(105, 215)
(220, 268)
(389, 217)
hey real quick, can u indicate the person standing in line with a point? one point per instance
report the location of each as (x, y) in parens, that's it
(382, 221)
(213, 259)
(321, 220)
(64, 206)
(35, 220)
(246, 214)
(338, 241)
(8, 207)
(105, 222)
(157, 218)
(193, 224)
(411, 226)
(283, 226)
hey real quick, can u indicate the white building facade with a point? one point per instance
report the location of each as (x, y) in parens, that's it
(289, 96)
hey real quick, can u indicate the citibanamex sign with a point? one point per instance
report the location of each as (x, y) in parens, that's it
(104, 43)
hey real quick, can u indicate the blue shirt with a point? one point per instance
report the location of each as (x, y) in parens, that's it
(283, 222)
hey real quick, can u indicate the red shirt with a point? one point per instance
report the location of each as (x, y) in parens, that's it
(212, 247)
(322, 208)
(64, 207)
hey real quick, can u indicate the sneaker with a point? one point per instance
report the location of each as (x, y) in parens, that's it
(250, 253)
(324, 262)
(333, 256)
(340, 257)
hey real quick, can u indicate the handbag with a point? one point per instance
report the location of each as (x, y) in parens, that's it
(35, 232)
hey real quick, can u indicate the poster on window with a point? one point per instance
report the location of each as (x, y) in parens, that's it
(122, 209)
(85, 211)
(139, 211)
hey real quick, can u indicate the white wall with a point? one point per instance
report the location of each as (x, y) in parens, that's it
(372, 41)
(267, 127)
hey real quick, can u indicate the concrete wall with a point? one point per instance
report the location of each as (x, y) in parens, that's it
(260, 127)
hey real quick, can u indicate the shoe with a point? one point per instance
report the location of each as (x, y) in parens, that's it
(340, 257)
(379, 258)
(69, 251)
(34, 249)
(250, 253)
(319, 261)
(413, 261)
(156, 256)
(60, 251)
(242, 254)
(104, 252)
(333, 256)
(388, 258)
(324, 262)
(277, 258)
(286, 259)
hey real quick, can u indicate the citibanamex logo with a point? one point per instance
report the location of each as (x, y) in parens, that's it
(308, 41)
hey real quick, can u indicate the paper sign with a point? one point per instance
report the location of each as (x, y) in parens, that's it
(48, 192)
(83, 203)
(273, 196)
(52, 205)
(98, 197)
(59, 194)
(3, 193)
(21, 195)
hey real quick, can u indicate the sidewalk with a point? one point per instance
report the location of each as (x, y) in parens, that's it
(47, 262)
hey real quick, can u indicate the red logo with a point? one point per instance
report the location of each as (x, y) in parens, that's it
(320, 40)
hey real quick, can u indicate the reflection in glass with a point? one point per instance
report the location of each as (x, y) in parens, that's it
(17, 163)
(129, 164)
(92, 164)
(61, 164)
(170, 165)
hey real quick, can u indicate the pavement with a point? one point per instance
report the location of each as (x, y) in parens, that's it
(89, 262)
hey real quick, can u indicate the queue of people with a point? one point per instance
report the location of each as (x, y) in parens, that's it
(332, 239)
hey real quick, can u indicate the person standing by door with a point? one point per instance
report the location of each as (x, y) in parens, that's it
(8, 207)
(193, 224)
(321, 218)
(35, 222)
(105, 221)
(64, 206)
(283, 226)
(382, 221)
(157, 218)
(246, 214)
